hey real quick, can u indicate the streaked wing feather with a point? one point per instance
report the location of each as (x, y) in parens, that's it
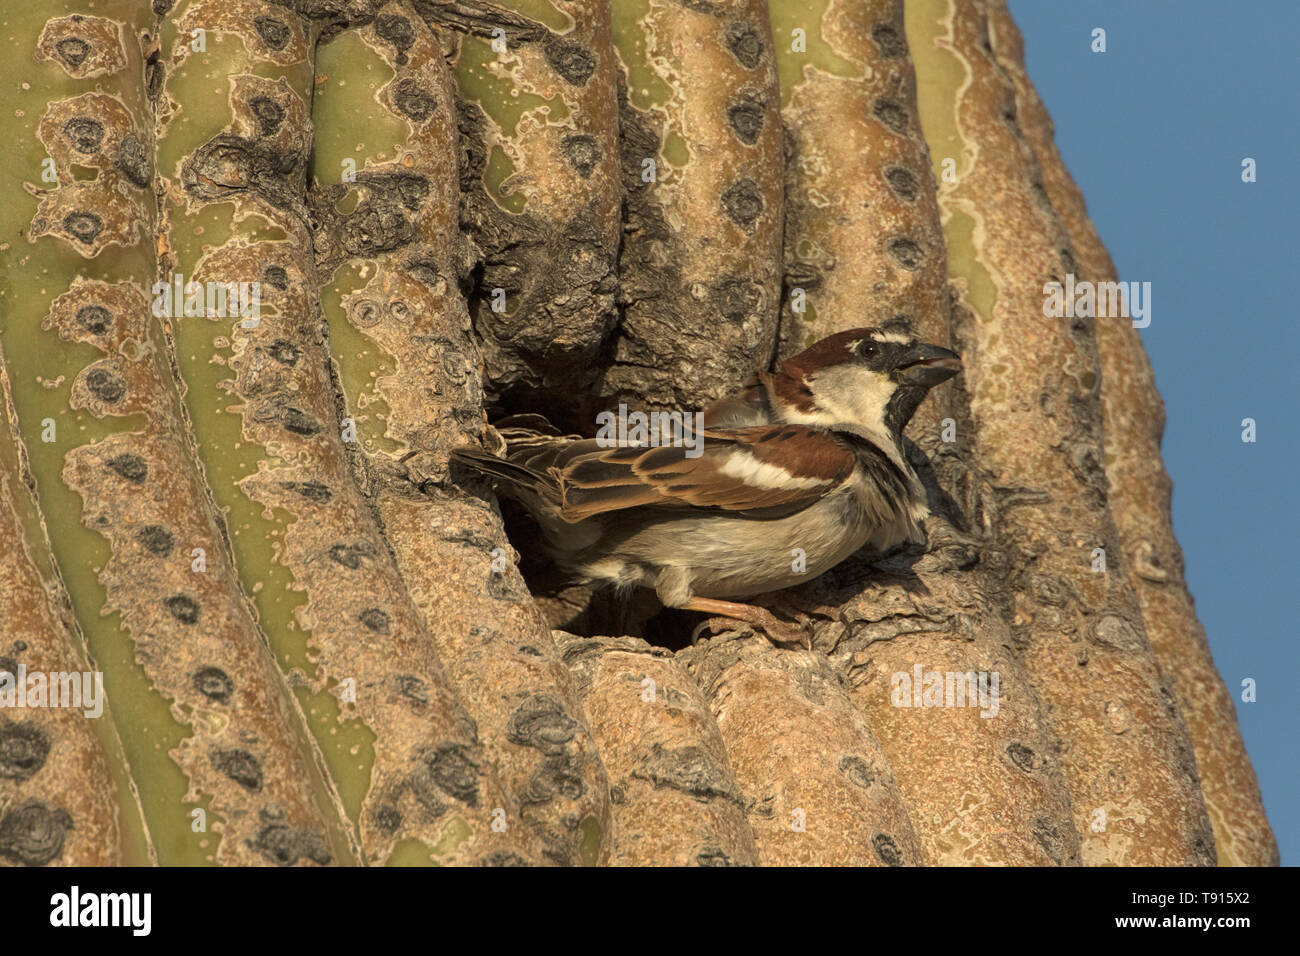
(744, 470)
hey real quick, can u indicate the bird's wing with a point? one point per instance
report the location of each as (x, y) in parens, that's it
(742, 470)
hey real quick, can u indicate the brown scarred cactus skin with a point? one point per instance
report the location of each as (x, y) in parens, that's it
(699, 270)
(1139, 492)
(1125, 753)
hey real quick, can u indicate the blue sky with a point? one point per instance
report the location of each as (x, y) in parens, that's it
(1154, 130)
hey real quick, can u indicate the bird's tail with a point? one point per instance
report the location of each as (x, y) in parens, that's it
(486, 463)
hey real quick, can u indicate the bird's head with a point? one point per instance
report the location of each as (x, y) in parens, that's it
(871, 378)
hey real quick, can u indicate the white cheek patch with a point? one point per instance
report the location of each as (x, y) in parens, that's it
(743, 466)
(854, 395)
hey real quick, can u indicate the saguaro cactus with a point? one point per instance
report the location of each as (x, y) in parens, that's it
(265, 263)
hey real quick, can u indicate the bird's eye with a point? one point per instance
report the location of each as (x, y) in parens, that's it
(867, 349)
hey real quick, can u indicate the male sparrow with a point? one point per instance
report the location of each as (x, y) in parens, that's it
(795, 472)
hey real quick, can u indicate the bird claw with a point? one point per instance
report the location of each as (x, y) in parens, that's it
(782, 633)
(779, 632)
(717, 625)
(794, 605)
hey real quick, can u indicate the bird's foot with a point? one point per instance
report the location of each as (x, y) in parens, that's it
(792, 605)
(777, 630)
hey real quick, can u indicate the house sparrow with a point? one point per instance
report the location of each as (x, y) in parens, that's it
(795, 472)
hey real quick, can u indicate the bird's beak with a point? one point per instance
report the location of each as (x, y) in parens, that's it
(927, 366)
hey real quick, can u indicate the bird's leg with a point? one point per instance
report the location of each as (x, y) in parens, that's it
(778, 631)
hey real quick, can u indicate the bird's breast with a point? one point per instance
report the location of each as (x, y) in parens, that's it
(730, 556)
